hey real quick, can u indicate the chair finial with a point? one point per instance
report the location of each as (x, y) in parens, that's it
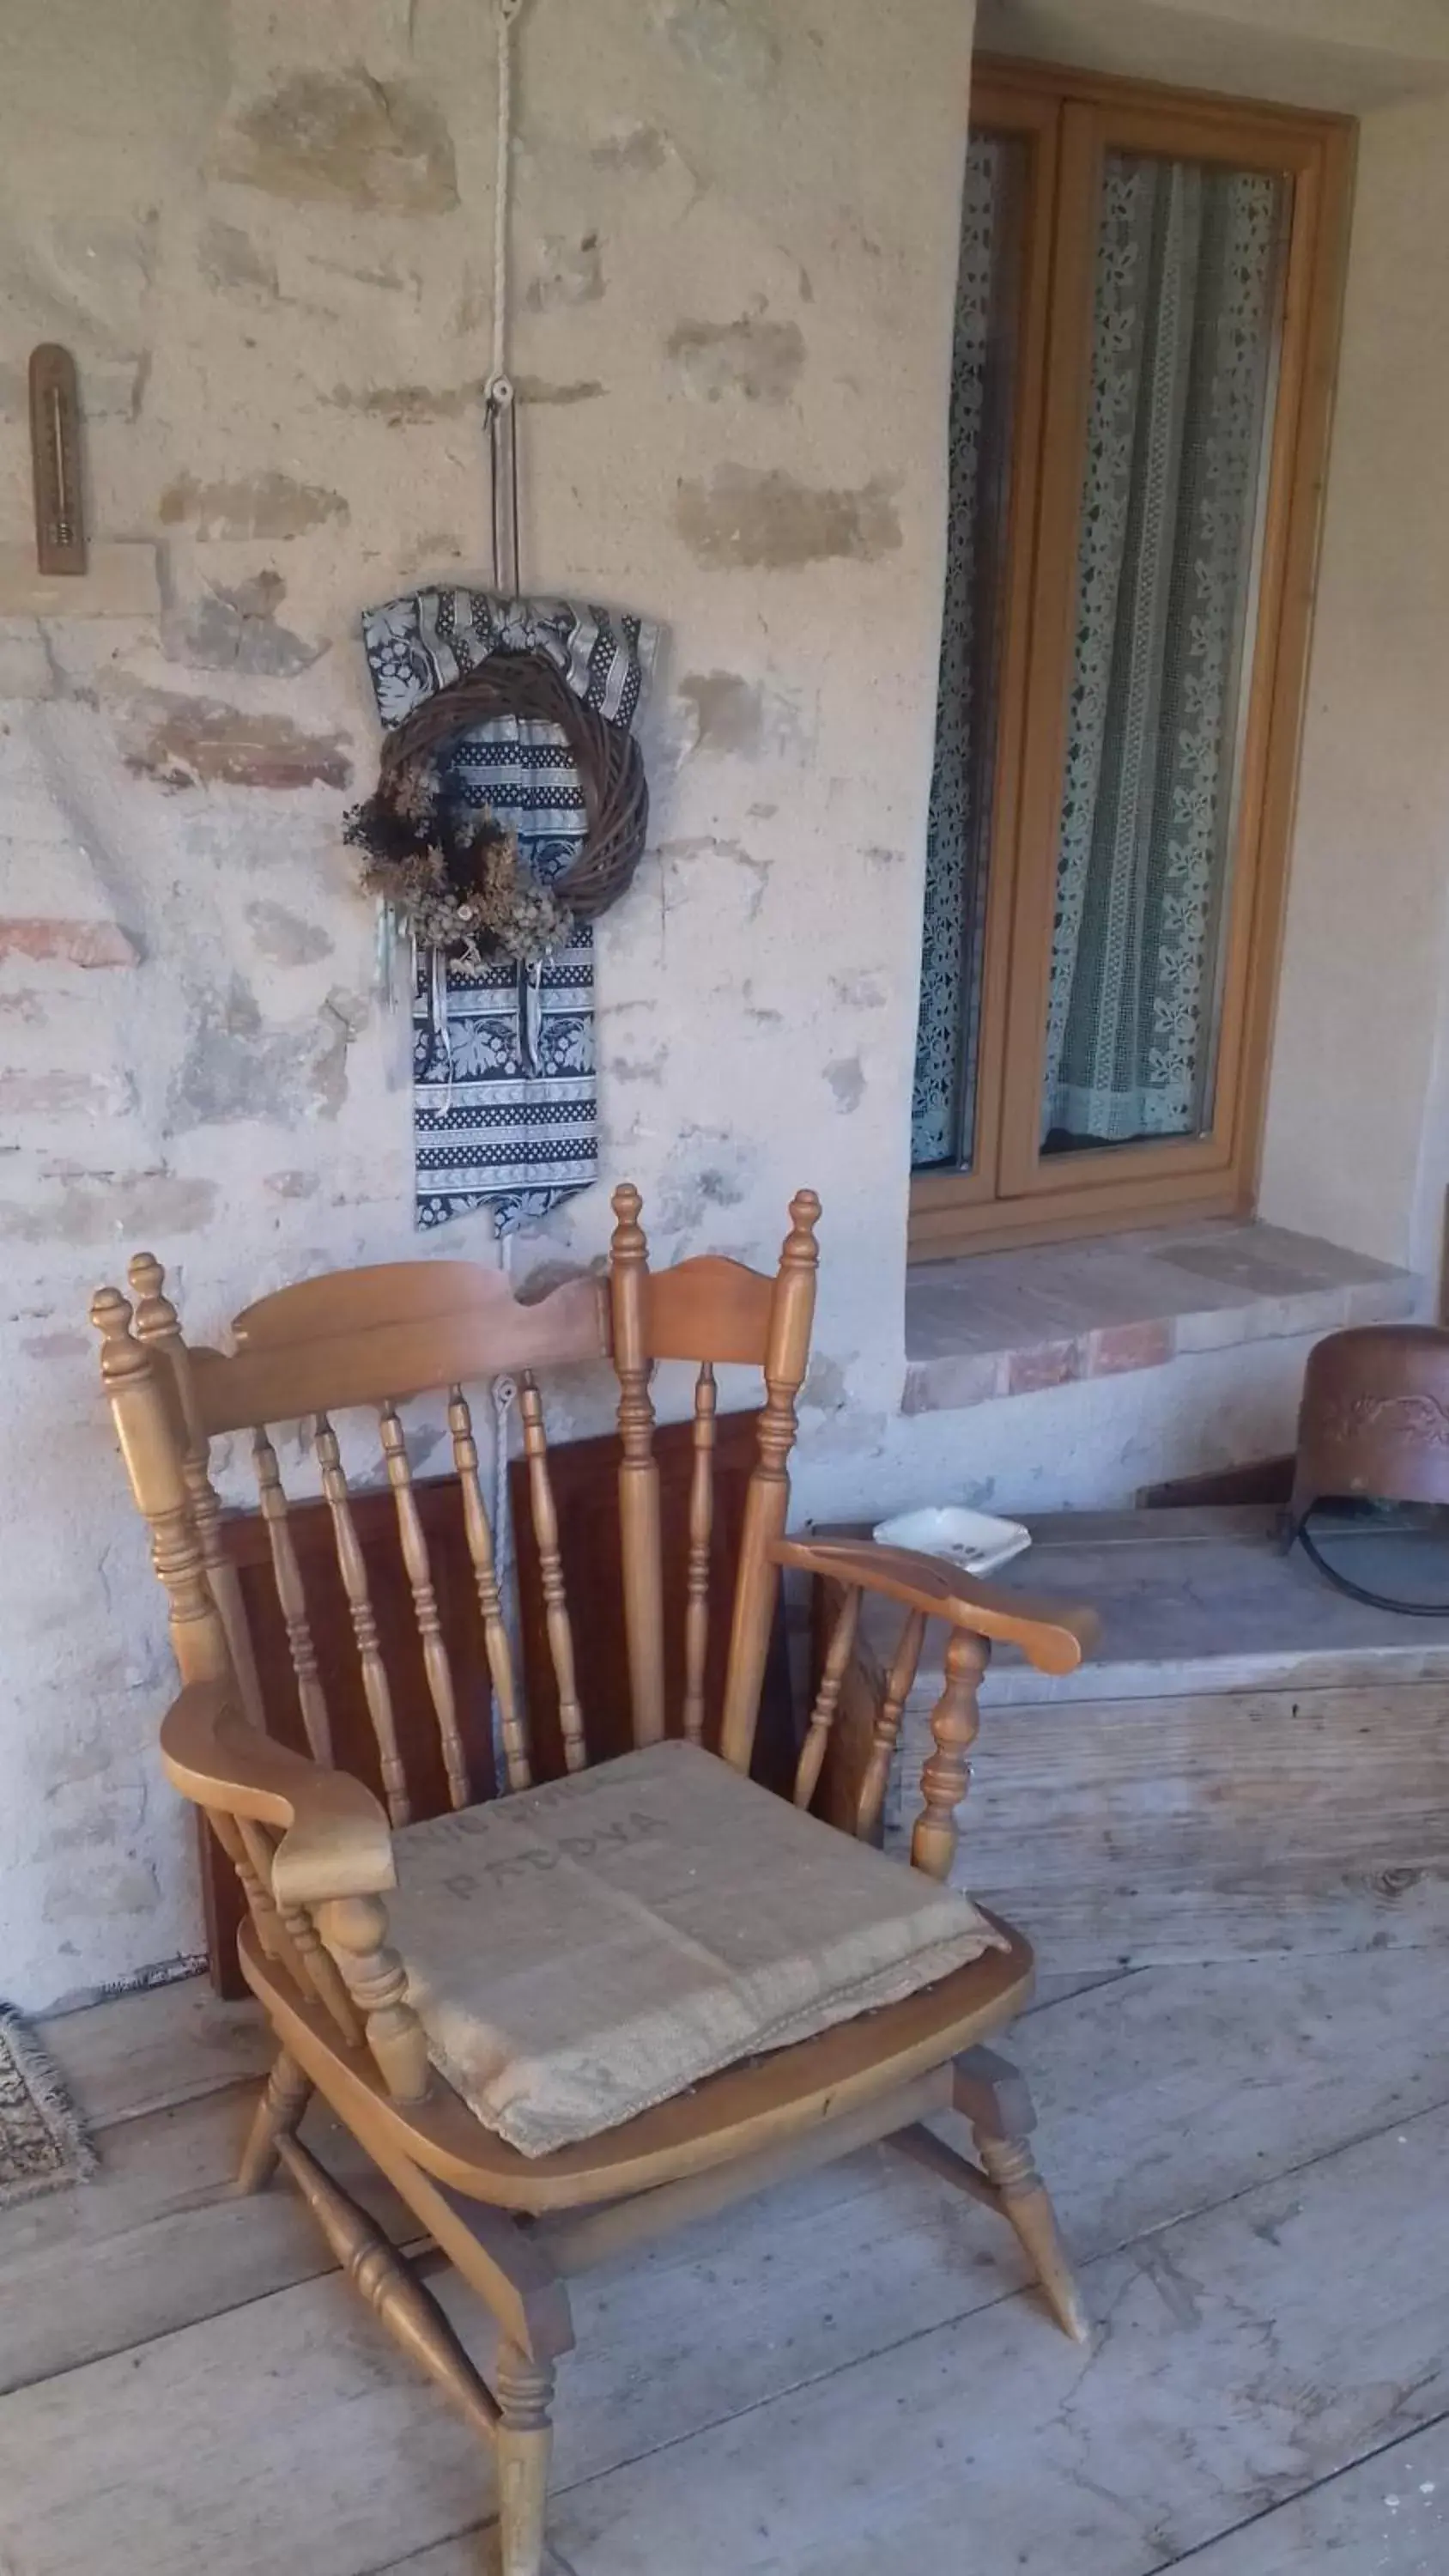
(110, 1314)
(628, 1243)
(800, 1244)
(156, 1317)
(121, 1353)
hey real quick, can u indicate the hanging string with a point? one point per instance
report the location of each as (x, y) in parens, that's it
(499, 413)
(500, 422)
(505, 1396)
(498, 429)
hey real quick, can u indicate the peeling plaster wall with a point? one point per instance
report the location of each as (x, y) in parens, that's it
(1357, 1143)
(268, 241)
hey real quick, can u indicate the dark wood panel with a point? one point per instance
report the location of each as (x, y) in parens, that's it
(353, 1742)
(354, 1747)
(1259, 1480)
(584, 1477)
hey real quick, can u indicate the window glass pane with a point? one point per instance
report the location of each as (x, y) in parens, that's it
(1187, 306)
(958, 826)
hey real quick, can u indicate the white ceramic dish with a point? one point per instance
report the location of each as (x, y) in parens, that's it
(976, 1541)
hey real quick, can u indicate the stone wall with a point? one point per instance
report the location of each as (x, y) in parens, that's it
(268, 241)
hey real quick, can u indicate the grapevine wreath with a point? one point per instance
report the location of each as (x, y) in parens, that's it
(456, 877)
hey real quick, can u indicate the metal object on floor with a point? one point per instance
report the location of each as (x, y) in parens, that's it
(1373, 1428)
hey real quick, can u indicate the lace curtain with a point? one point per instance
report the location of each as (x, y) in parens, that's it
(1186, 294)
(1183, 330)
(941, 1104)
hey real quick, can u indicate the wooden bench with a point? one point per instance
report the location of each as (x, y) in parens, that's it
(1250, 1762)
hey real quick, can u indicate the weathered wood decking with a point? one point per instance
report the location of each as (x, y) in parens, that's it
(1249, 2159)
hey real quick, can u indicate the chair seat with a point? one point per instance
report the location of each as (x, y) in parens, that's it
(751, 2105)
(585, 1950)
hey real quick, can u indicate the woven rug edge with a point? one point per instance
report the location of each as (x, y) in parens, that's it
(51, 2096)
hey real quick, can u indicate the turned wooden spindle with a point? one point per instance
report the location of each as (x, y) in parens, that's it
(292, 1595)
(355, 1931)
(827, 1698)
(256, 1886)
(990, 2093)
(887, 1725)
(285, 2097)
(321, 1971)
(550, 1566)
(287, 1933)
(271, 1930)
(1024, 2201)
(701, 1531)
(382, 2277)
(639, 1525)
(524, 2390)
(479, 1531)
(352, 1566)
(158, 1325)
(767, 1502)
(425, 1605)
(145, 1413)
(946, 1773)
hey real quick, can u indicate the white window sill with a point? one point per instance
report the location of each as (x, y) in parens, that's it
(1010, 1323)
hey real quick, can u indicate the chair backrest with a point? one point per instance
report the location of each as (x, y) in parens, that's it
(708, 1311)
(375, 1337)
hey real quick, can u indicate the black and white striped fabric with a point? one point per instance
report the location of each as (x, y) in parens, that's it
(503, 1059)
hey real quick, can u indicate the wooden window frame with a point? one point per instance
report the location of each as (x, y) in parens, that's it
(1012, 1193)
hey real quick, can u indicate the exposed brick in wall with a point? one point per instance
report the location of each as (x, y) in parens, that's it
(268, 242)
(269, 246)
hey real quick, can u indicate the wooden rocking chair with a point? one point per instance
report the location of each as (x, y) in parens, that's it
(317, 1855)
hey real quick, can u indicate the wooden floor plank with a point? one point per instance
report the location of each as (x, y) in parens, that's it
(161, 2238)
(1159, 2096)
(283, 2436)
(301, 2379)
(1387, 2517)
(142, 2052)
(796, 2291)
(1208, 1822)
(1222, 2378)
(1062, 1986)
(1167, 2091)
(473, 2553)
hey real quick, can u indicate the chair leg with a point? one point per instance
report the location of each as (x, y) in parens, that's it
(994, 2098)
(285, 2097)
(523, 2443)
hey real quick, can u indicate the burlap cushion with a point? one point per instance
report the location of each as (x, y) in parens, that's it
(581, 1951)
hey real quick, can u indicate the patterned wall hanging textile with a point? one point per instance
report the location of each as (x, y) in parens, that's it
(503, 1052)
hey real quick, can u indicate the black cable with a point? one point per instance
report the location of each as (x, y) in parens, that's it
(1360, 1591)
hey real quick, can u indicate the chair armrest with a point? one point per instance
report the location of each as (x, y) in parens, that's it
(335, 1836)
(1051, 1635)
